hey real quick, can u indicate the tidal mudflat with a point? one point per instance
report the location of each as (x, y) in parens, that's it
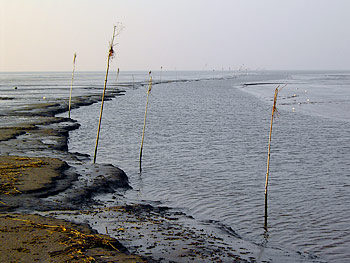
(160, 216)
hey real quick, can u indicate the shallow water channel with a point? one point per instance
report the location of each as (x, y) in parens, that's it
(205, 152)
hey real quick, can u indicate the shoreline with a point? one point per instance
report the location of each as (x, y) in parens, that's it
(149, 233)
(28, 176)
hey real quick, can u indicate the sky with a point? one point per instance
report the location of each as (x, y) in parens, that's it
(42, 35)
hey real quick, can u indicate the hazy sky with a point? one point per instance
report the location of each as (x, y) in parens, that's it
(42, 35)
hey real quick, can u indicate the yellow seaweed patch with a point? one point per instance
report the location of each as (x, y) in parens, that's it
(11, 171)
(75, 242)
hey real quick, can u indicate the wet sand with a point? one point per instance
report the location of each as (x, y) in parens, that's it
(32, 238)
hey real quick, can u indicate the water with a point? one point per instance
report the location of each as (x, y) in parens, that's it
(205, 151)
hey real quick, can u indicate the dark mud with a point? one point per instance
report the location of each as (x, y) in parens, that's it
(39, 134)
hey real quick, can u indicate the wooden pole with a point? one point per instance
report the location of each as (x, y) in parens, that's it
(71, 85)
(117, 75)
(110, 55)
(268, 153)
(161, 71)
(144, 122)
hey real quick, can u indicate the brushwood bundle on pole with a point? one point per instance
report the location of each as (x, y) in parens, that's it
(111, 53)
(274, 110)
(144, 122)
(71, 85)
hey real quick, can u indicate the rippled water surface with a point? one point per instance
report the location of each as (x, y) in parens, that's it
(205, 152)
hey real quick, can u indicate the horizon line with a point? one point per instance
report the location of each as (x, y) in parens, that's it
(174, 70)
